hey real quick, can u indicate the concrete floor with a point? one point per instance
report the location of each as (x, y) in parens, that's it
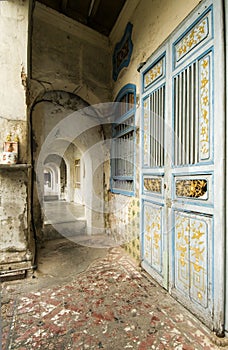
(67, 219)
(61, 211)
(89, 298)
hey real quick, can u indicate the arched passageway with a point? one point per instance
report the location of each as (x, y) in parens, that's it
(55, 178)
(66, 164)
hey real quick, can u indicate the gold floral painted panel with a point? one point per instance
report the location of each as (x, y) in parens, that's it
(182, 228)
(204, 107)
(146, 131)
(193, 38)
(192, 256)
(190, 188)
(155, 72)
(153, 184)
(153, 236)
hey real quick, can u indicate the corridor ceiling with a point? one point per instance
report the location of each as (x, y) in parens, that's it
(100, 15)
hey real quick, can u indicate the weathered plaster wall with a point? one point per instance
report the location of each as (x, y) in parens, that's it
(70, 57)
(13, 58)
(14, 218)
(153, 21)
(14, 70)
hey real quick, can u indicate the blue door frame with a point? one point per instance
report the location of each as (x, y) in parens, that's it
(183, 164)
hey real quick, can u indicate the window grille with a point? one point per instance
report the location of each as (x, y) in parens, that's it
(123, 143)
(157, 102)
(185, 116)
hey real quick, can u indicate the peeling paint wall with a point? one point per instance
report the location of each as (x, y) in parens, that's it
(13, 58)
(69, 56)
(13, 61)
(13, 210)
(15, 239)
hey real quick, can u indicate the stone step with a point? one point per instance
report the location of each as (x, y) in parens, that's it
(49, 198)
(64, 229)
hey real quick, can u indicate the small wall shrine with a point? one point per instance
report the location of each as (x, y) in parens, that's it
(10, 150)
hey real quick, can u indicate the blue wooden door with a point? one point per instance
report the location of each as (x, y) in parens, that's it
(183, 164)
(154, 240)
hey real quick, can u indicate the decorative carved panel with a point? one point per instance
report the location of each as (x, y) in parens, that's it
(146, 132)
(193, 38)
(122, 52)
(204, 107)
(191, 188)
(153, 185)
(191, 252)
(155, 72)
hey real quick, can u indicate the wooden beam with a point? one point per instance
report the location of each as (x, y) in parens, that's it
(93, 7)
(64, 4)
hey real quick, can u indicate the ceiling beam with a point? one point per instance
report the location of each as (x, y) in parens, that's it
(93, 7)
(64, 4)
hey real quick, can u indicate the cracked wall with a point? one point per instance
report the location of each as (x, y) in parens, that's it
(15, 240)
(14, 218)
(69, 56)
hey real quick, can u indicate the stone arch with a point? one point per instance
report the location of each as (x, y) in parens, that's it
(46, 114)
(38, 91)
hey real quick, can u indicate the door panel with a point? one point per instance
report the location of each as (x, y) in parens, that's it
(192, 204)
(154, 241)
(180, 207)
(192, 96)
(153, 236)
(192, 253)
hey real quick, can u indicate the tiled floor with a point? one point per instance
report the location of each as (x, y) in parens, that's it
(108, 305)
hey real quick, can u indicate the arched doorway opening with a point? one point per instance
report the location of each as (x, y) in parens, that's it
(55, 178)
(67, 165)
